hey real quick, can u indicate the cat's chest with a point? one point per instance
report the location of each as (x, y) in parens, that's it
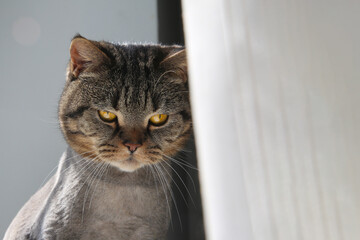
(113, 203)
(123, 209)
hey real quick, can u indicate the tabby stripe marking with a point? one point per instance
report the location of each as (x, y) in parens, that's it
(107, 150)
(107, 144)
(76, 132)
(185, 115)
(153, 152)
(77, 112)
(154, 147)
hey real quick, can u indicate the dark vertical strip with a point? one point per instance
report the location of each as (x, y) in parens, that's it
(170, 27)
(170, 31)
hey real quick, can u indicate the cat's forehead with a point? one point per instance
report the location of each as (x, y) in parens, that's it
(139, 81)
(135, 67)
(137, 56)
(135, 83)
(135, 94)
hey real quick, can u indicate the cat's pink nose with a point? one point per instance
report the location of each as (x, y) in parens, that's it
(132, 146)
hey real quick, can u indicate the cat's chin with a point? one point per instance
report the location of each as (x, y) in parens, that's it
(128, 165)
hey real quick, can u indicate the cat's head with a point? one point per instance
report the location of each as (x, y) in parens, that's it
(127, 105)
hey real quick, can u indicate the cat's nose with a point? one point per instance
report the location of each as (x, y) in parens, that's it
(132, 146)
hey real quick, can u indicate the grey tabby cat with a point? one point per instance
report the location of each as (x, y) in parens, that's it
(124, 112)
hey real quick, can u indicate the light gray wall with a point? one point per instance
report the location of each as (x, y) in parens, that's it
(34, 42)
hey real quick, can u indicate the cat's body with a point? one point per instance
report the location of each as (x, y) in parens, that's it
(123, 206)
(125, 113)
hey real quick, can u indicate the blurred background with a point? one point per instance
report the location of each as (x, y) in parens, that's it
(34, 42)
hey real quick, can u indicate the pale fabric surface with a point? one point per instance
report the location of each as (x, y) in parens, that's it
(275, 98)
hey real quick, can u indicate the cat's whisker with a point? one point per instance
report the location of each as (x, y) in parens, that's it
(172, 179)
(55, 122)
(58, 122)
(88, 164)
(162, 75)
(160, 167)
(81, 161)
(67, 159)
(181, 164)
(192, 200)
(84, 166)
(47, 121)
(92, 175)
(184, 163)
(153, 174)
(187, 172)
(185, 150)
(47, 176)
(180, 161)
(103, 168)
(78, 155)
(159, 174)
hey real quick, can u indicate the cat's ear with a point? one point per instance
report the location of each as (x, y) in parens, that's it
(85, 56)
(176, 62)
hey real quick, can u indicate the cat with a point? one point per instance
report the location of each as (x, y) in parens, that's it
(124, 112)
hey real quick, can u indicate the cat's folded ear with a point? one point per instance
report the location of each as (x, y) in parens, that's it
(85, 56)
(177, 63)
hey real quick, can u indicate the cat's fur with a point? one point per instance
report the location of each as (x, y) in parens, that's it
(101, 189)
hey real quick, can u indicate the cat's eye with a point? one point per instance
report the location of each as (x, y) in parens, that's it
(158, 119)
(107, 116)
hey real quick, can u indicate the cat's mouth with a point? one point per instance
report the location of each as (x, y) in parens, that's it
(129, 164)
(130, 159)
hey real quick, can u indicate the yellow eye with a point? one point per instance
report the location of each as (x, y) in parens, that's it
(107, 116)
(158, 119)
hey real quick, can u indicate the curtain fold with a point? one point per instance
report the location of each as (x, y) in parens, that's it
(275, 94)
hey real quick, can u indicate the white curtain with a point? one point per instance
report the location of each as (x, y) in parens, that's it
(275, 96)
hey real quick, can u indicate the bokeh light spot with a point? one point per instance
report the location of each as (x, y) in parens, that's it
(26, 31)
